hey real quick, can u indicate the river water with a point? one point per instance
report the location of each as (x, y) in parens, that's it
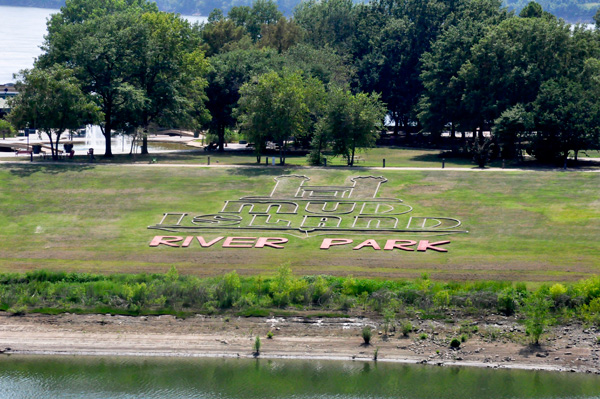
(125, 377)
(22, 31)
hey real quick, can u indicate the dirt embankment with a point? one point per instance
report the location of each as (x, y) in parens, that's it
(493, 341)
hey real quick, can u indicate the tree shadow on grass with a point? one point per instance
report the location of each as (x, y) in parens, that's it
(52, 169)
(263, 171)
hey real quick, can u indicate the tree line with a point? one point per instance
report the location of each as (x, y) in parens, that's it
(465, 74)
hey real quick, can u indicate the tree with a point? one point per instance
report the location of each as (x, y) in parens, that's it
(327, 23)
(323, 63)
(52, 101)
(220, 36)
(351, 121)
(511, 128)
(390, 39)
(102, 52)
(229, 71)
(566, 115)
(170, 70)
(537, 316)
(141, 65)
(274, 107)
(6, 128)
(441, 106)
(262, 12)
(281, 35)
(510, 63)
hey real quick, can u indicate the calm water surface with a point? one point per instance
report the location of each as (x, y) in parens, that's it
(97, 377)
(22, 31)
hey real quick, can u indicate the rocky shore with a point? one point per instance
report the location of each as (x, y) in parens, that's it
(492, 341)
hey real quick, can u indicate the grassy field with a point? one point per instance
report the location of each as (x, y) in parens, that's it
(523, 226)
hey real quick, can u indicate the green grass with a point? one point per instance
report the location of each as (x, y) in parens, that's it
(527, 226)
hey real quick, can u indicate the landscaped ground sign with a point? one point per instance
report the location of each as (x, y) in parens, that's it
(297, 208)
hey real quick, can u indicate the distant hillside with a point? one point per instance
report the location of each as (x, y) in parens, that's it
(570, 10)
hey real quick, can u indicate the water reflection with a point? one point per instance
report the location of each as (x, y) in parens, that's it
(93, 377)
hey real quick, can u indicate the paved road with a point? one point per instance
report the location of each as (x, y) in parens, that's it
(173, 165)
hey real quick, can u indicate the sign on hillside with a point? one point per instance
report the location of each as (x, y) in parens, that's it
(296, 207)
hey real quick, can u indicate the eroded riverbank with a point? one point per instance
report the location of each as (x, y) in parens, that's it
(493, 341)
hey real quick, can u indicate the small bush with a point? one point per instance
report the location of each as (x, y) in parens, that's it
(367, 334)
(455, 343)
(376, 354)
(270, 334)
(407, 327)
(463, 338)
(423, 336)
(256, 346)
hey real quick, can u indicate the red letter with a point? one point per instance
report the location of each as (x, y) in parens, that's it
(425, 245)
(270, 242)
(239, 242)
(329, 242)
(205, 244)
(400, 244)
(368, 243)
(166, 240)
(187, 241)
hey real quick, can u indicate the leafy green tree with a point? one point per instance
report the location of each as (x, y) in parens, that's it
(390, 39)
(532, 10)
(536, 310)
(253, 18)
(327, 23)
(52, 101)
(6, 128)
(510, 63)
(170, 69)
(323, 63)
(567, 118)
(281, 35)
(441, 106)
(102, 52)
(221, 36)
(229, 71)
(511, 129)
(275, 107)
(351, 122)
(141, 65)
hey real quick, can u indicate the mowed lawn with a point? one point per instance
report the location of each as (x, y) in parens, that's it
(527, 226)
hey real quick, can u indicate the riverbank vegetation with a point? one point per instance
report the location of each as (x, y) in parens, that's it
(394, 301)
(467, 76)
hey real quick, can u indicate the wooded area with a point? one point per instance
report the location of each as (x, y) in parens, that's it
(463, 75)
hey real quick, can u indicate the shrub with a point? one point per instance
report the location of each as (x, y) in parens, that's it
(442, 299)
(557, 290)
(455, 343)
(423, 336)
(537, 317)
(507, 304)
(407, 327)
(591, 312)
(375, 354)
(256, 345)
(367, 334)
(270, 334)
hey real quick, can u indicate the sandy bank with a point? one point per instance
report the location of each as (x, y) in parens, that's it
(497, 342)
